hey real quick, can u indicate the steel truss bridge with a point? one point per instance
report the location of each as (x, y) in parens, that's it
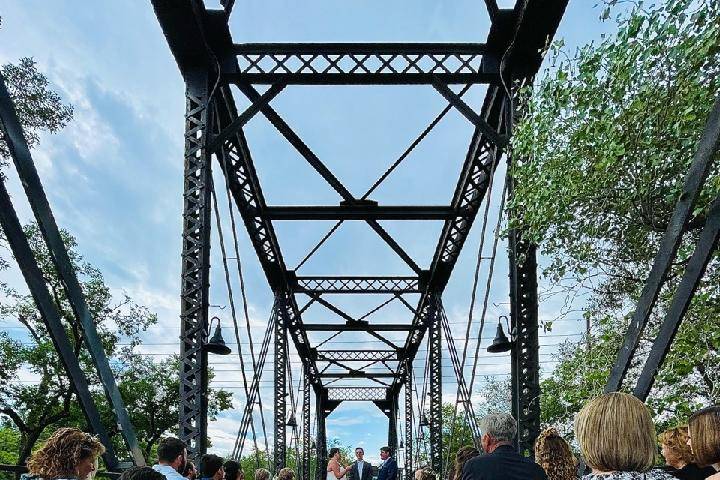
(210, 62)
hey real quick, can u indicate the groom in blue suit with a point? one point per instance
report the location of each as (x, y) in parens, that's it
(388, 469)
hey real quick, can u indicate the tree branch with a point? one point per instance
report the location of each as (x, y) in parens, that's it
(15, 417)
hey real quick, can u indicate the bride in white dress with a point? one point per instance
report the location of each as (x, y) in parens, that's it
(334, 470)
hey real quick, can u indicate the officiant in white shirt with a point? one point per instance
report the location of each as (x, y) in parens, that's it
(361, 469)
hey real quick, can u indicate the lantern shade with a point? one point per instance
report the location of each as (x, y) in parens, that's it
(216, 344)
(424, 421)
(292, 422)
(500, 343)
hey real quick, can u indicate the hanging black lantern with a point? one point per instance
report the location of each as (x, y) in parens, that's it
(424, 421)
(292, 422)
(216, 344)
(501, 343)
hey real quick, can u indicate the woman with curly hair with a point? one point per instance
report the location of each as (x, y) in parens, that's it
(553, 454)
(68, 453)
(463, 455)
(681, 462)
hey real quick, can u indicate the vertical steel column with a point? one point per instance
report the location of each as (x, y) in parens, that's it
(280, 387)
(524, 357)
(305, 475)
(435, 344)
(392, 425)
(525, 352)
(408, 421)
(195, 265)
(320, 439)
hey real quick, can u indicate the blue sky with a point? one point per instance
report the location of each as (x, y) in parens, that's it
(114, 175)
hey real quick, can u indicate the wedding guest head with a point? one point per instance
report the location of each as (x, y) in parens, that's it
(616, 434)
(262, 474)
(232, 470)
(463, 455)
(211, 466)
(334, 453)
(674, 447)
(141, 473)
(553, 454)
(172, 453)
(385, 453)
(681, 462)
(424, 474)
(190, 471)
(498, 429)
(68, 453)
(286, 474)
(704, 429)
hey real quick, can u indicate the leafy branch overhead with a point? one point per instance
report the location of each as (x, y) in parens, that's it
(39, 108)
(609, 133)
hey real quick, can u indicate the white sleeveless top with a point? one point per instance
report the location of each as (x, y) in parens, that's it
(331, 475)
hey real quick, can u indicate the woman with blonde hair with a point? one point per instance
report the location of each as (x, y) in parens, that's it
(68, 453)
(617, 439)
(704, 430)
(678, 456)
(553, 454)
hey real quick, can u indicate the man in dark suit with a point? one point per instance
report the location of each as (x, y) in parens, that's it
(501, 461)
(361, 469)
(388, 469)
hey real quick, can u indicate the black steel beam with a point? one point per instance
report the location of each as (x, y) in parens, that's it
(435, 384)
(357, 374)
(704, 250)
(524, 357)
(467, 111)
(357, 355)
(357, 327)
(195, 265)
(280, 387)
(43, 300)
(363, 63)
(694, 181)
(29, 178)
(345, 48)
(392, 415)
(357, 394)
(370, 285)
(409, 472)
(305, 473)
(239, 122)
(320, 433)
(359, 212)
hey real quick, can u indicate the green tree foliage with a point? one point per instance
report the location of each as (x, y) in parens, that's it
(39, 108)
(606, 140)
(36, 407)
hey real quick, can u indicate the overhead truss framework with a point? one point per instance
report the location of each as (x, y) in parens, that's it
(210, 61)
